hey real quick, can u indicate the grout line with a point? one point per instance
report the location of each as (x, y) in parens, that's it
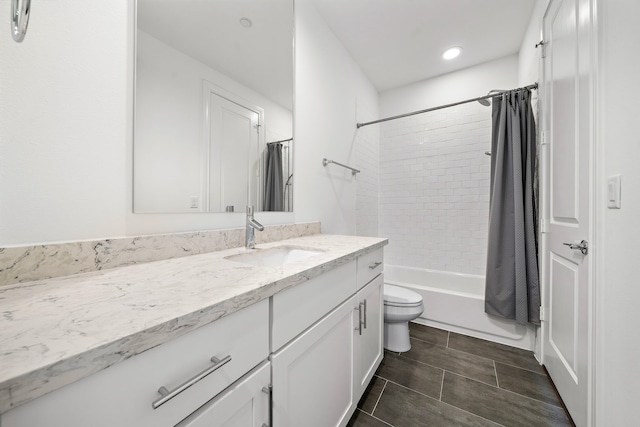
(426, 341)
(442, 385)
(379, 397)
(520, 367)
(410, 389)
(382, 421)
(507, 390)
(495, 371)
(474, 414)
(448, 336)
(445, 403)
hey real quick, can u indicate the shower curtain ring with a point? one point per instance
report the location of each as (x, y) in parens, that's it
(19, 19)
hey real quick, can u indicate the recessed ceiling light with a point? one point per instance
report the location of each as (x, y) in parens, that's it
(246, 22)
(452, 52)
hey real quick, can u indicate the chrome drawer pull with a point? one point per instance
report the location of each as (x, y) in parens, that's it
(359, 310)
(168, 395)
(375, 265)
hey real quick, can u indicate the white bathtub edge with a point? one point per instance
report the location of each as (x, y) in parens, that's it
(524, 343)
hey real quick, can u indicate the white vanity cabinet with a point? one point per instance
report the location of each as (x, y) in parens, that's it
(319, 376)
(301, 358)
(369, 341)
(313, 375)
(124, 394)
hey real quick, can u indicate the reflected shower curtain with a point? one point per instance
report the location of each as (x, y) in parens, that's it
(273, 188)
(512, 288)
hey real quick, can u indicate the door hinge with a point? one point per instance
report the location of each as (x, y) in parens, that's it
(542, 314)
(543, 225)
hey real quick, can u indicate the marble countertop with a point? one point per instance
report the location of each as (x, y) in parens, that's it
(54, 332)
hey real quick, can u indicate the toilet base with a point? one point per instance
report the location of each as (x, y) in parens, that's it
(396, 337)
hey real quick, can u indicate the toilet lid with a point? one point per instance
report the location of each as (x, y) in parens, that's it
(399, 296)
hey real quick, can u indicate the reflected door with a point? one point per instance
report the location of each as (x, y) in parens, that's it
(233, 138)
(568, 128)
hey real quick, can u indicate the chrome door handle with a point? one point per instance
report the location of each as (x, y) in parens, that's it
(359, 328)
(168, 395)
(374, 265)
(582, 246)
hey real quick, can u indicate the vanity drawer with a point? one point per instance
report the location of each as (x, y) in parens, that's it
(123, 394)
(369, 266)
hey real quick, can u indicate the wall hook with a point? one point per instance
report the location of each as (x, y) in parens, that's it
(19, 18)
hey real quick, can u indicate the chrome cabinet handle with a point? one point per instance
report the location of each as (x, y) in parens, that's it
(375, 265)
(359, 328)
(268, 390)
(168, 395)
(365, 313)
(582, 246)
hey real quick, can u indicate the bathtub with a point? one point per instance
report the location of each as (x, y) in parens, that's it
(455, 302)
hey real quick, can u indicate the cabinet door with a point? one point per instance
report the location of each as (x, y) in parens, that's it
(313, 375)
(244, 404)
(369, 339)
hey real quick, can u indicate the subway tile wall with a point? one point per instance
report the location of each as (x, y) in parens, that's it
(434, 189)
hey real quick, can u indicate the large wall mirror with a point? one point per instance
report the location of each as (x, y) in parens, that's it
(213, 106)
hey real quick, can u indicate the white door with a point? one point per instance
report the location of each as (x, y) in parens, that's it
(368, 333)
(233, 139)
(568, 129)
(312, 376)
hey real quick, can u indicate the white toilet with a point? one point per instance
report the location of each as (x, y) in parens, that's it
(400, 306)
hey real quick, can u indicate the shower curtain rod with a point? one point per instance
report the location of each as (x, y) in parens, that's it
(282, 140)
(359, 125)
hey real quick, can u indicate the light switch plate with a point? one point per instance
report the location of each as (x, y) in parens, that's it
(613, 192)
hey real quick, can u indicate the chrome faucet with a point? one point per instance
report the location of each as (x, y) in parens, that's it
(250, 241)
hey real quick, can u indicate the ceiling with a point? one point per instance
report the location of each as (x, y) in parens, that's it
(259, 57)
(398, 42)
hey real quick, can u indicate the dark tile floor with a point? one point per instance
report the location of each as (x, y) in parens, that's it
(448, 379)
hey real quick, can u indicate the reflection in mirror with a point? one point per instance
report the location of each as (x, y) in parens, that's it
(213, 106)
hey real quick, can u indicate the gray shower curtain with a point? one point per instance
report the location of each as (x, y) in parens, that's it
(512, 288)
(274, 188)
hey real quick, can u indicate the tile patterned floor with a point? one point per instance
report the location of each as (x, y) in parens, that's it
(449, 380)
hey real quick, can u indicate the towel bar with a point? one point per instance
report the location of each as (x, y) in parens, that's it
(325, 162)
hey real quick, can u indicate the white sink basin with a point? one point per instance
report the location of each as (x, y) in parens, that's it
(274, 257)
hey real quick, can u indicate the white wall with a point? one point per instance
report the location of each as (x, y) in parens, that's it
(468, 83)
(332, 94)
(434, 175)
(618, 151)
(66, 97)
(529, 55)
(64, 113)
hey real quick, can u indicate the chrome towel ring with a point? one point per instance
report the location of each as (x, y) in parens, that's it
(19, 18)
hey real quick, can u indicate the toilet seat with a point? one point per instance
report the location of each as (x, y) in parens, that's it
(396, 296)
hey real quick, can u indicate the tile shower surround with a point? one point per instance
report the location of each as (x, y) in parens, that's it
(29, 263)
(434, 189)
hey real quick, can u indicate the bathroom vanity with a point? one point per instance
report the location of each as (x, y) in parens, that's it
(217, 339)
